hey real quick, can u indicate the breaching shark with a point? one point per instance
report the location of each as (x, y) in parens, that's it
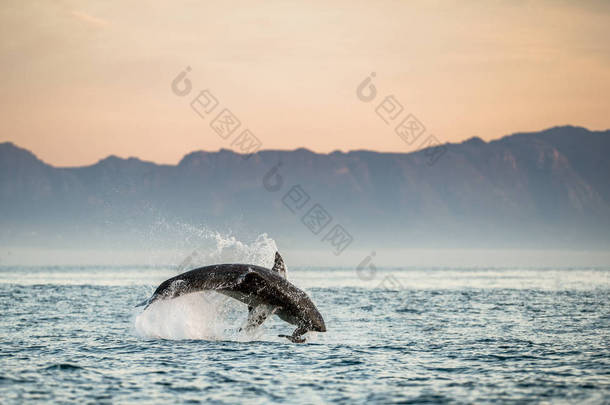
(265, 291)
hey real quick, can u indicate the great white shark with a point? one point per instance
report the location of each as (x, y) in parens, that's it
(265, 291)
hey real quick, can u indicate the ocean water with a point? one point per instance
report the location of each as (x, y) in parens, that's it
(72, 334)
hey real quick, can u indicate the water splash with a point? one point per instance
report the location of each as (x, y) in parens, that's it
(228, 249)
(192, 316)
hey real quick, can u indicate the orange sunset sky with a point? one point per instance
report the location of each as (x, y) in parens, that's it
(85, 79)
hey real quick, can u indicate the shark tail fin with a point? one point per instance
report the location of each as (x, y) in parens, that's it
(279, 265)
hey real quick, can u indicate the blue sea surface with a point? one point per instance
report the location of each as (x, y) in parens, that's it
(72, 334)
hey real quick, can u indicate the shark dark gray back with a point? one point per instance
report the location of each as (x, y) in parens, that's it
(264, 291)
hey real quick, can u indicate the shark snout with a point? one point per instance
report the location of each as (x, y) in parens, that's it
(320, 328)
(317, 323)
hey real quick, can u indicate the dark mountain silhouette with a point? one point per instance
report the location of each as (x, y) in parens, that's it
(544, 189)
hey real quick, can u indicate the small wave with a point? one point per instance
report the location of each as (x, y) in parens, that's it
(6, 380)
(409, 311)
(63, 367)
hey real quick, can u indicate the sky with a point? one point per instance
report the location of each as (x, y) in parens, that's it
(84, 79)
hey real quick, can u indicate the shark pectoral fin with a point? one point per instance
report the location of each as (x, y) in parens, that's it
(279, 265)
(296, 336)
(294, 339)
(257, 315)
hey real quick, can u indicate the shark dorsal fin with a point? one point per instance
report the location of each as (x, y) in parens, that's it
(279, 265)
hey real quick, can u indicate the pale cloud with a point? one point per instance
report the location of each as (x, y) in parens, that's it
(89, 19)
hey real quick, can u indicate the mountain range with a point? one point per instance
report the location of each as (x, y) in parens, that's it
(547, 189)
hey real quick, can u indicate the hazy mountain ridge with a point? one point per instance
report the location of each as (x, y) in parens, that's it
(548, 188)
